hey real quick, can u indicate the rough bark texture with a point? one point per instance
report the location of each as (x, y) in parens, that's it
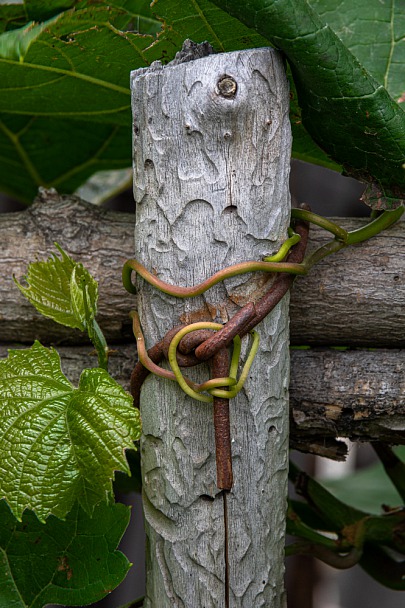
(354, 297)
(211, 186)
(355, 394)
(100, 239)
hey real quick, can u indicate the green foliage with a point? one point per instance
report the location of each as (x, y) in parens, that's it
(64, 443)
(202, 20)
(65, 99)
(60, 448)
(373, 32)
(72, 562)
(64, 115)
(370, 488)
(347, 112)
(64, 291)
(367, 489)
(343, 535)
(57, 289)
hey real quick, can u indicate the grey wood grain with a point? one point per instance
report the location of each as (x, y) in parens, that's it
(357, 394)
(100, 239)
(211, 187)
(354, 298)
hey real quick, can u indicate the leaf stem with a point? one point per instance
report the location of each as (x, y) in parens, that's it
(323, 252)
(323, 222)
(95, 334)
(98, 339)
(382, 222)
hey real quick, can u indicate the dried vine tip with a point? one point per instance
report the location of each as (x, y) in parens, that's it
(227, 87)
(191, 51)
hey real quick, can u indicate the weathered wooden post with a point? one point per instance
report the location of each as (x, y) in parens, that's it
(211, 165)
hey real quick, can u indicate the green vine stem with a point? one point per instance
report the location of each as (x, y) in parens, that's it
(193, 389)
(323, 252)
(271, 264)
(235, 387)
(382, 222)
(94, 332)
(197, 290)
(339, 560)
(318, 220)
(342, 239)
(293, 239)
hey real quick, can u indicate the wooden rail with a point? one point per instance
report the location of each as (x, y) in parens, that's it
(355, 299)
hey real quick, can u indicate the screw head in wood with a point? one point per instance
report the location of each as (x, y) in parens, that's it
(227, 87)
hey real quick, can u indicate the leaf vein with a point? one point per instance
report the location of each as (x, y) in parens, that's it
(26, 161)
(71, 74)
(392, 45)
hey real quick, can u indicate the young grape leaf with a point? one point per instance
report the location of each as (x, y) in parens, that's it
(58, 443)
(346, 111)
(57, 287)
(72, 562)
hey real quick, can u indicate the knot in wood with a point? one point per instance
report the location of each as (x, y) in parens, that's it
(227, 87)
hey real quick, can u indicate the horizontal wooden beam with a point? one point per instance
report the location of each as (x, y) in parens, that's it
(355, 394)
(100, 239)
(353, 298)
(356, 296)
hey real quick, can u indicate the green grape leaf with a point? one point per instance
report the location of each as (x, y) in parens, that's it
(304, 148)
(134, 13)
(12, 16)
(369, 488)
(347, 112)
(41, 10)
(58, 443)
(70, 61)
(72, 562)
(14, 44)
(374, 33)
(83, 292)
(57, 289)
(41, 151)
(140, 17)
(201, 20)
(71, 73)
(80, 62)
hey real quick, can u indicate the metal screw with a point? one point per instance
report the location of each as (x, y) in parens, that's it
(227, 87)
